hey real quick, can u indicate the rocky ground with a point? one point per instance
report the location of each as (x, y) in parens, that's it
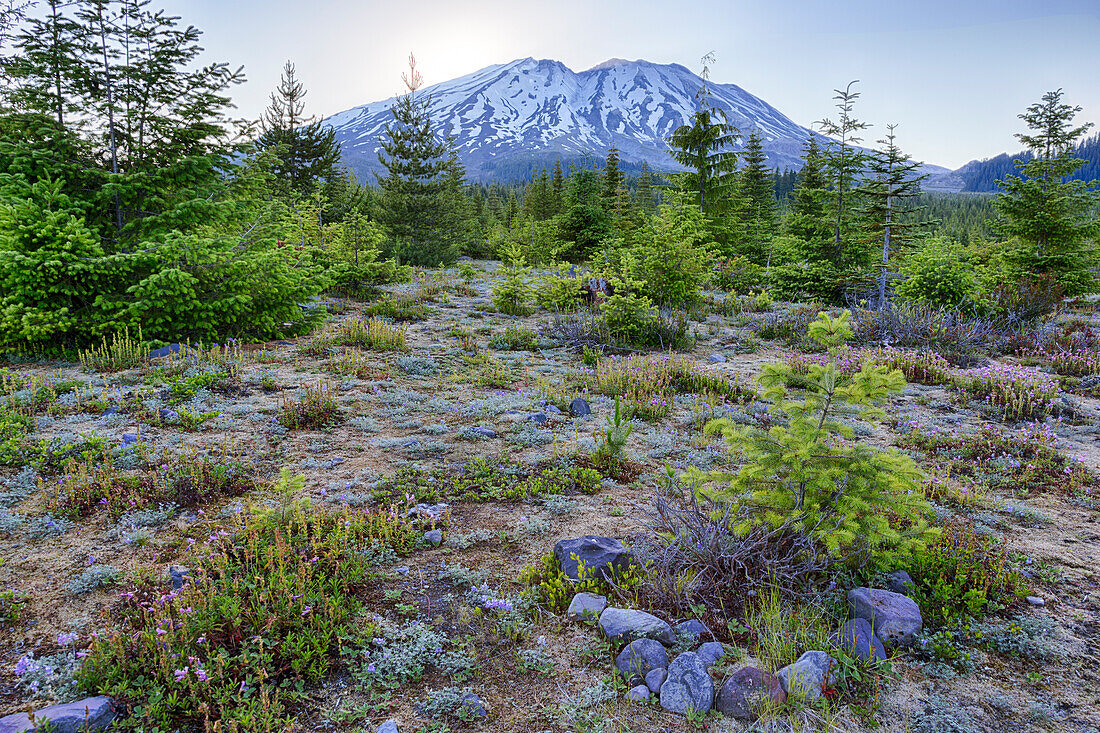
(436, 408)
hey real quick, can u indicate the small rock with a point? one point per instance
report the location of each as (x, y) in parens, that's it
(165, 351)
(403, 570)
(434, 537)
(894, 617)
(639, 693)
(625, 625)
(484, 432)
(390, 726)
(538, 418)
(717, 358)
(693, 630)
(711, 653)
(858, 639)
(178, 576)
(748, 693)
(688, 686)
(600, 556)
(580, 407)
(900, 582)
(129, 438)
(655, 679)
(89, 714)
(640, 657)
(473, 706)
(808, 677)
(109, 411)
(552, 409)
(433, 513)
(586, 606)
(166, 414)
(1036, 601)
(412, 443)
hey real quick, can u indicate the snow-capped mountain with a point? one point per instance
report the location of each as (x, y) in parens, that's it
(506, 118)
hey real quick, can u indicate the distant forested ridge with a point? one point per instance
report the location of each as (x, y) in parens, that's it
(980, 176)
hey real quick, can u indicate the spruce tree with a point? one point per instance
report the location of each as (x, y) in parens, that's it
(557, 187)
(1053, 219)
(538, 200)
(612, 176)
(805, 267)
(417, 210)
(305, 151)
(844, 162)
(757, 207)
(888, 215)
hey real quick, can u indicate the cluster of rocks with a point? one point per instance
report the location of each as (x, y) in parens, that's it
(879, 620)
(90, 714)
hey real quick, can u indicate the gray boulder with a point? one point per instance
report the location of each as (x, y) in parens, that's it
(89, 714)
(711, 653)
(717, 358)
(639, 693)
(655, 679)
(586, 606)
(538, 418)
(580, 407)
(894, 617)
(858, 639)
(748, 693)
(692, 630)
(808, 677)
(625, 625)
(640, 657)
(390, 726)
(602, 556)
(434, 537)
(688, 686)
(899, 582)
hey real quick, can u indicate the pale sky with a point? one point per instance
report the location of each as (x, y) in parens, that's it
(954, 74)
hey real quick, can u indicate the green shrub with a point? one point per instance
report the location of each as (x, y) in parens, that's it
(1015, 393)
(963, 574)
(547, 585)
(807, 473)
(516, 338)
(939, 274)
(739, 275)
(14, 427)
(115, 354)
(630, 318)
(559, 292)
(373, 334)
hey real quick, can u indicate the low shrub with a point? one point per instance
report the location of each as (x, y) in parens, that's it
(488, 479)
(1076, 363)
(113, 355)
(1015, 393)
(398, 308)
(316, 407)
(559, 292)
(640, 378)
(373, 334)
(547, 585)
(516, 338)
(921, 365)
(265, 615)
(963, 573)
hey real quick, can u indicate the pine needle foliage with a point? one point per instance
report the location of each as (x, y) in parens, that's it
(864, 504)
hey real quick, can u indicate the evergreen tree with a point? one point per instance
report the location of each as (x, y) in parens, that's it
(538, 201)
(612, 176)
(643, 193)
(586, 223)
(844, 162)
(808, 217)
(888, 213)
(305, 151)
(417, 210)
(47, 70)
(757, 207)
(805, 267)
(705, 148)
(1054, 219)
(557, 187)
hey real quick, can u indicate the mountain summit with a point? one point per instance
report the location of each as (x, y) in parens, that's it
(508, 117)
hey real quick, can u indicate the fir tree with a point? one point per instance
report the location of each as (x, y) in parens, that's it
(557, 187)
(306, 152)
(757, 207)
(887, 213)
(538, 200)
(417, 210)
(1054, 219)
(612, 176)
(704, 147)
(844, 162)
(643, 193)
